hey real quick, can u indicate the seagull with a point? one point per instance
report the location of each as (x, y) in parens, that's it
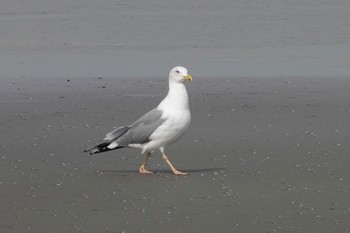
(158, 128)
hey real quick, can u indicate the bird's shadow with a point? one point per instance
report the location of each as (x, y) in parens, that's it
(166, 171)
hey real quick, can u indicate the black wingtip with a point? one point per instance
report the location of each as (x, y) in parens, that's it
(91, 152)
(103, 147)
(88, 151)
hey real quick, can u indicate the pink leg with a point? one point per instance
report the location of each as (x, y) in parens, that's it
(176, 172)
(142, 168)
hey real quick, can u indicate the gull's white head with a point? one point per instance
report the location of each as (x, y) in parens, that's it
(179, 74)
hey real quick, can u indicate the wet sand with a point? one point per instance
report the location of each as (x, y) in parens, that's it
(264, 155)
(267, 150)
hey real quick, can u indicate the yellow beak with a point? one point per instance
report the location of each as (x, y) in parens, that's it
(188, 77)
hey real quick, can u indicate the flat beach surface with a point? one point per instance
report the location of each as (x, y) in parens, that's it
(268, 147)
(264, 155)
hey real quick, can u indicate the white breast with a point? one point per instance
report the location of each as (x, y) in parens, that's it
(176, 115)
(173, 127)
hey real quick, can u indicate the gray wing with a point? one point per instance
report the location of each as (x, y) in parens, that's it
(140, 131)
(115, 134)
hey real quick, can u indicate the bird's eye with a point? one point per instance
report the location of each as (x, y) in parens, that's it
(177, 71)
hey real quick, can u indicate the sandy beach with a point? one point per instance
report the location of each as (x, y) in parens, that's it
(264, 155)
(267, 150)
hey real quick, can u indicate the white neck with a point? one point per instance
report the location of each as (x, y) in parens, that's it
(177, 96)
